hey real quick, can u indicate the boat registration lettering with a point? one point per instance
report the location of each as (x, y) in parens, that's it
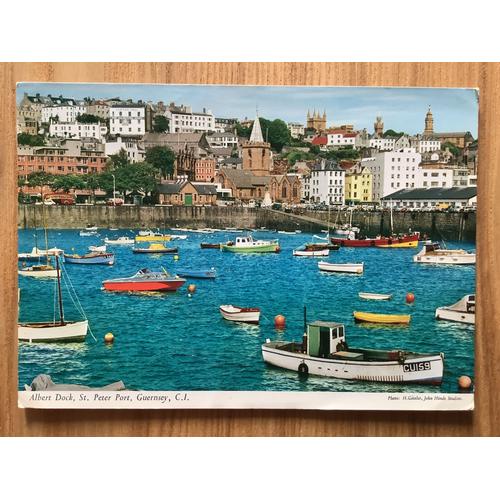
(417, 367)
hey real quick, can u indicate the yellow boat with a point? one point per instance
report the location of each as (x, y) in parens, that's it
(153, 237)
(382, 318)
(406, 244)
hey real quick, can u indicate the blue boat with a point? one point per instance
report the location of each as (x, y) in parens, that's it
(91, 258)
(197, 274)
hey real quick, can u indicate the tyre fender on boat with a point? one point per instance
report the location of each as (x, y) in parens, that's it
(303, 368)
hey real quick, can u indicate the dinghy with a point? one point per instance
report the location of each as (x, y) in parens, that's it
(197, 274)
(240, 314)
(463, 311)
(304, 252)
(341, 267)
(375, 296)
(91, 258)
(388, 319)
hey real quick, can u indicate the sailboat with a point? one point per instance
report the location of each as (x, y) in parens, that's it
(324, 243)
(40, 270)
(54, 331)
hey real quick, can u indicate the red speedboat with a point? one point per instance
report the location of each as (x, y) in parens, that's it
(395, 241)
(145, 281)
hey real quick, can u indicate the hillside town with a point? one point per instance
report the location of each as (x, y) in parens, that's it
(115, 151)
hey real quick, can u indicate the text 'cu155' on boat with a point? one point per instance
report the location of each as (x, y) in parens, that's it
(324, 351)
(246, 244)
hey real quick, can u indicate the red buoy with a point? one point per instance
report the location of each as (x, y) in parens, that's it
(410, 298)
(279, 321)
(192, 288)
(464, 382)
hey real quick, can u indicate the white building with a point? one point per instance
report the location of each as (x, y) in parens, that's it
(126, 119)
(296, 129)
(432, 198)
(135, 152)
(393, 171)
(63, 113)
(222, 140)
(425, 144)
(464, 177)
(78, 130)
(383, 143)
(182, 119)
(341, 138)
(434, 177)
(326, 184)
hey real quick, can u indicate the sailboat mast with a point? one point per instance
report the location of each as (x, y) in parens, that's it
(392, 222)
(59, 292)
(45, 231)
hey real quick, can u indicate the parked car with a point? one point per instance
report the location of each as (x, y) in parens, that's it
(114, 202)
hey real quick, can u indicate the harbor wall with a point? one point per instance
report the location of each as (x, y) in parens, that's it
(437, 225)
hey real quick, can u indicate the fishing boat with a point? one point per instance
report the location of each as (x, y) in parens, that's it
(91, 258)
(100, 248)
(338, 267)
(54, 331)
(240, 314)
(155, 248)
(432, 253)
(321, 246)
(375, 296)
(145, 281)
(307, 252)
(88, 233)
(387, 319)
(39, 271)
(324, 351)
(37, 253)
(246, 244)
(463, 311)
(197, 274)
(122, 240)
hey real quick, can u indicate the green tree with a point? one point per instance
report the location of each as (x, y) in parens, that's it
(278, 134)
(88, 118)
(25, 139)
(68, 182)
(392, 133)
(162, 159)
(242, 131)
(454, 150)
(160, 123)
(40, 179)
(92, 182)
(347, 153)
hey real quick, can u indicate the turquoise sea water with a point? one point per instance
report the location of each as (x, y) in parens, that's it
(177, 342)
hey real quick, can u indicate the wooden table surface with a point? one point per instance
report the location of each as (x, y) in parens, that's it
(485, 420)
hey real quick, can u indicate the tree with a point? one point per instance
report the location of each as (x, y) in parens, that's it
(242, 131)
(24, 139)
(88, 118)
(162, 159)
(392, 133)
(454, 150)
(160, 123)
(40, 179)
(346, 153)
(92, 182)
(278, 134)
(66, 183)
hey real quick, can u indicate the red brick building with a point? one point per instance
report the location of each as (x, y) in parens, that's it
(204, 170)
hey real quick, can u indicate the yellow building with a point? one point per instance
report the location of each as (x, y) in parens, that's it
(358, 186)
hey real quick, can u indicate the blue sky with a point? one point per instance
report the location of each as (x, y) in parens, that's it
(402, 109)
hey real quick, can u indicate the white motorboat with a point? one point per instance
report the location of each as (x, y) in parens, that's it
(311, 253)
(39, 271)
(240, 314)
(338, 267)
(100, 248)
(177, 236)
(432, 253)
(323, 351)
(375, 296)
(90, 227)
(463, 311)
(122, 240)
(246, 244)
(88, 233)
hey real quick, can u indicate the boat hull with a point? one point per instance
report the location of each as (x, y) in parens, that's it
(48, 332)
(410, 241)
(196, 274)
(465, 259)
(162, 250)
(243, 316)
(311, 253)
(443, 313)
(144, 286)
(156, 238)
(271, 248)
(426, 369)
(49, 273)
(387, 319)
(106, 259)
(118, 242)
(374, 296)
(341, 268)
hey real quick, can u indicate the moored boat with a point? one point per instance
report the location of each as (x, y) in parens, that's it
(156, 248)
(321, 246)
(375, 296)
(150, 236)
(197, 273)
(39, 271)
(91, 258)
(100, 248)
(240, 314)
(246, 244)
(324, 351)
(463, 311)
(338, 267)
(394, 241)
(88, 233)
(36, 253)
(177, 236)
(215, 245)
(145, 281)
(387, 319)
(432, 253)
(122, 240)
(306, 252)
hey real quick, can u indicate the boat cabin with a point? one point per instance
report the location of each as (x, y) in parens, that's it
(244, 240)
(325, 338)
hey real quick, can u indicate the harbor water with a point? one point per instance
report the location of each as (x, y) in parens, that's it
(179, 342)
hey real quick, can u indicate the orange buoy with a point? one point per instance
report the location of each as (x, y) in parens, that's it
(109, 338)
(410, 298)
(279, 321)
(464, 382)
(191, 288)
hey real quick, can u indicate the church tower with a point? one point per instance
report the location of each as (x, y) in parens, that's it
(429, 123)
(378, 126)
(316, 121)
(257, 152)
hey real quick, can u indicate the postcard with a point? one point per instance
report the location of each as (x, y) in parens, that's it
(208, 246)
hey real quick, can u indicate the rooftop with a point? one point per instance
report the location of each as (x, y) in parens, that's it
(454, 193)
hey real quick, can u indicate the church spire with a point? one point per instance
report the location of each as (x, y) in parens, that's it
(256, 135)
(429, 123)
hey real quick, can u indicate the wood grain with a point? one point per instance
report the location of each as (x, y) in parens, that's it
(485, 420)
